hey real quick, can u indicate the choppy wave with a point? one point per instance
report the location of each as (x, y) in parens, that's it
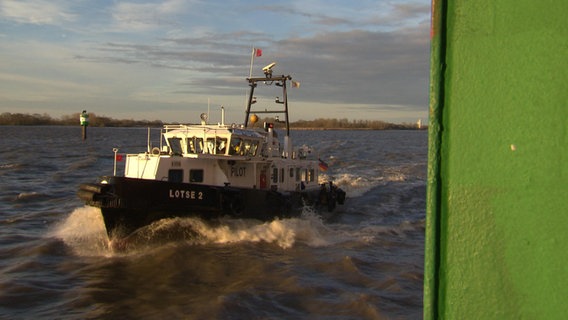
(84, 232)
(25, 196)
(9, 165)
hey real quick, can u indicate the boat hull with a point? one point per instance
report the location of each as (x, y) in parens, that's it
(128, 203)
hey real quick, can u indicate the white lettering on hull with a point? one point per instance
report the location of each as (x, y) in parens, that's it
(185, 194)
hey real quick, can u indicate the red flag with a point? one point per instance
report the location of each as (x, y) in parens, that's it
(119, 157)
(257, 52)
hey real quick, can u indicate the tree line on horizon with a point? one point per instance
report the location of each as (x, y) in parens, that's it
(16, 119)
(345, 123)
(36, 119)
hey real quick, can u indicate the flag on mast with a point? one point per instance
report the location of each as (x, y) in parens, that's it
(322, 165)
(256, 52)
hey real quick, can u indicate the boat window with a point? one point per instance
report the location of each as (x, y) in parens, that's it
(194, 145)
(196, 175)
(254, 148)
(311, 175)
(175, 144)
(210, 146)
(246, 148)
(275, 175)
(221, 145)
(191, 145)
(298, 176)
(291, 172)
(235, 148)
(175, 175)
(198, 145)
(250, 148)
(282, 175)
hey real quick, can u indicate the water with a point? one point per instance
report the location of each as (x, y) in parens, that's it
(366, 262)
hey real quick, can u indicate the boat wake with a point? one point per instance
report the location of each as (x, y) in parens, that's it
(356, 185)
(84, 232)
(284, 233)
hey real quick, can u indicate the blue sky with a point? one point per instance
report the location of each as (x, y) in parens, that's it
(164, 60)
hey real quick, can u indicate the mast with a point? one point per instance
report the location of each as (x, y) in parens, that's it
(269, 80)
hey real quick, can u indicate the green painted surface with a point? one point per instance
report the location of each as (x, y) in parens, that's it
(497, 224)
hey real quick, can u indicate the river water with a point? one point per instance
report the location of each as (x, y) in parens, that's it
(365, 262)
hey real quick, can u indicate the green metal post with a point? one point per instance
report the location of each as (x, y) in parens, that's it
(496, 229)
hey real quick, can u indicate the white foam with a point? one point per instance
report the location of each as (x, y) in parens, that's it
(354, 185)
(283, 232)
(27, 195)
(84, 231)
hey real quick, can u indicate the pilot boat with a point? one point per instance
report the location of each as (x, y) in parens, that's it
(216, 170)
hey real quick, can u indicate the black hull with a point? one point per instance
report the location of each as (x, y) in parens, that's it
(128, 204)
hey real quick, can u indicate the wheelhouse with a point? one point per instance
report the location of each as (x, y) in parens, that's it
(210, 140)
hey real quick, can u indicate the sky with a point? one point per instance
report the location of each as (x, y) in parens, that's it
(172, 60)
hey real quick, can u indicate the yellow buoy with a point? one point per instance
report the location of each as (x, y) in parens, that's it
(253, 119)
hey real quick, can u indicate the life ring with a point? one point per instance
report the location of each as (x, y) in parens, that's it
(156, 151)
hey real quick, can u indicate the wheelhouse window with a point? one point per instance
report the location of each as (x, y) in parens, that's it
(175, 145)
(236, 146)
(175, 175)
(251, 146)
(198, 145)
(243, 147)
(210, 146)
(194, 145)
(221, 145)
(191, 147)
(196, 175)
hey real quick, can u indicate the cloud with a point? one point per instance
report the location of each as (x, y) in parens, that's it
(317, 16)
(146, 16)
(39, 12)
(17, 88)
(360, 14)
(362, 67)
(349, 67)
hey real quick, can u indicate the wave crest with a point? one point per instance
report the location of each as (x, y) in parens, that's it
(84, 232)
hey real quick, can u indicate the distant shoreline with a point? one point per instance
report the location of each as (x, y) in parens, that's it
(355, 129)
(19, 119)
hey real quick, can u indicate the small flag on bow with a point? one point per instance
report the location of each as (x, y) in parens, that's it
(257, 52)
